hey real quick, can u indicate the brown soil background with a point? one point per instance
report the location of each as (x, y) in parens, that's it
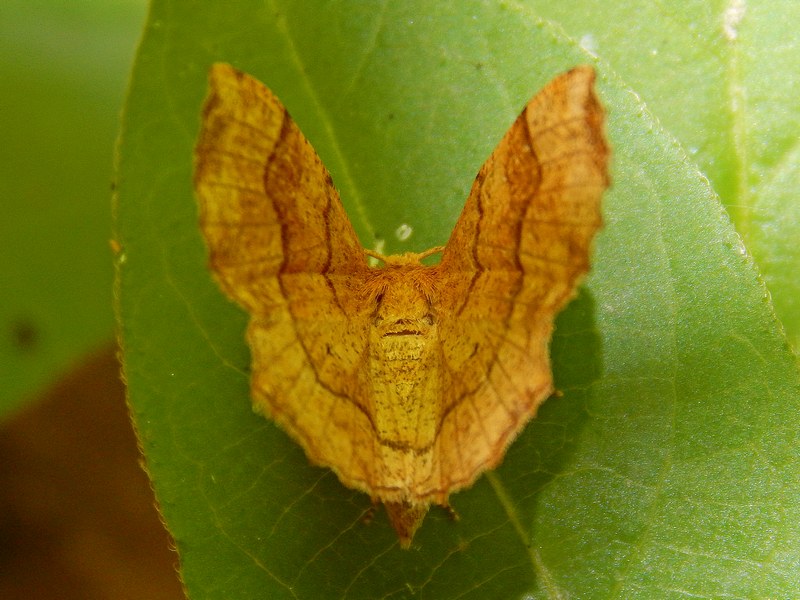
(77, 515)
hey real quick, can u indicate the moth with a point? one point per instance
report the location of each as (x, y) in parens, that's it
(407, 380)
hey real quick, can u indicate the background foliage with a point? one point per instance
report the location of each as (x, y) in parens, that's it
(63, 66)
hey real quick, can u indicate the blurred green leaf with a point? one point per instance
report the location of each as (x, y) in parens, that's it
(63, 66)
(667, 468)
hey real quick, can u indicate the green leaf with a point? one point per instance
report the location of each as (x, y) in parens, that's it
(722, 78)
(63, 65)
(667, 467)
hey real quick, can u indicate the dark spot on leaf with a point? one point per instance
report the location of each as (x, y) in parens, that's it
(24, 335)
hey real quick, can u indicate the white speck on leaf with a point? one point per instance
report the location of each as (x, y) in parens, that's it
(403, 232)
(732, 17)
(589, 43)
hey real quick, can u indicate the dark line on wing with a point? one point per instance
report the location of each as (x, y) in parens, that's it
(515, 292)
(329, 246)
(479, 179)
(405, 332)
